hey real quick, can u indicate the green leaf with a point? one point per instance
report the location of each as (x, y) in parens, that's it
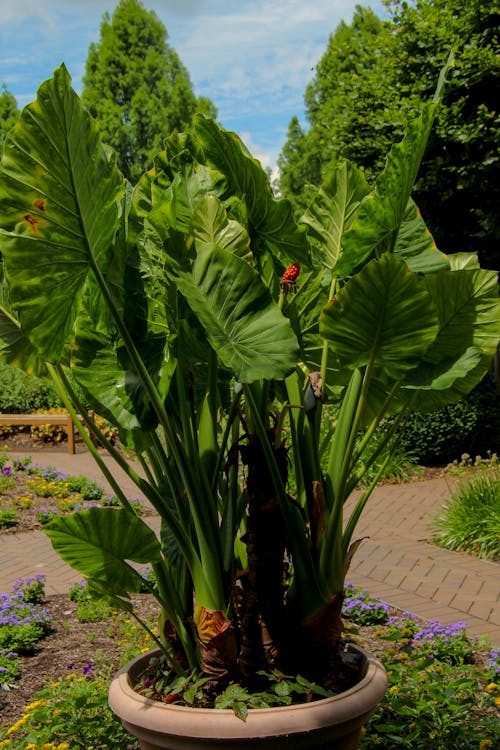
(384, 312)
(415, 244)
(468, 308)
(332, 210)
(98, 542)
(242, 323)
(442, 376)
(380, 215)
(211, 226)
(58, 207)
(270, 220)
(190, 185)
(15, 347)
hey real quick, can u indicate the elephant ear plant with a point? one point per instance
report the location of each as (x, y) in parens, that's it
(219, 336)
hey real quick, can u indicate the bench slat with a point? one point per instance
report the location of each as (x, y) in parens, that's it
(34, 419)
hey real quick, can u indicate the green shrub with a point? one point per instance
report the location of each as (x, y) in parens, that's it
(23, 394)
(470, 521)
(470, 426)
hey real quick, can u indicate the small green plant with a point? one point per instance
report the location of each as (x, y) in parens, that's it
(277, 689)
(6, 482)
(22, 623)
(470, 520)
(94, 610)
(91, 608)
(31, 590)
(9, 670)
(8, 517)
(363, 609)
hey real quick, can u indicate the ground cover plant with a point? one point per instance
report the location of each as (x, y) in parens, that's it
(444, 689)
(31, 496)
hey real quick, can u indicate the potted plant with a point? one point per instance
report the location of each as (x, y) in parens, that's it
(248, 362)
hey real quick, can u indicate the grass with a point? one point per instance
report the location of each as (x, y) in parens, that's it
(470, 520)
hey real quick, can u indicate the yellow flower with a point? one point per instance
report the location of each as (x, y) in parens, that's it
(48, 746)
(63, 746)
(34, 705)
(17, 726)
(491, 687)
(497, 701)
(31, 746)
(485, 744)
(55, 684)
(4, 743)
(394, 689)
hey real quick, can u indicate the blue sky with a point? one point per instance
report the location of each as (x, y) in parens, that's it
(253, 58)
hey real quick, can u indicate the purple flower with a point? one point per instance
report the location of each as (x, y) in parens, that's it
(88, 668)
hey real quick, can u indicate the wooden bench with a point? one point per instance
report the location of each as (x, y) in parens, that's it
(35, 419)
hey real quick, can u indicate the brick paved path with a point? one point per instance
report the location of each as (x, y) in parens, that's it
(397, 562)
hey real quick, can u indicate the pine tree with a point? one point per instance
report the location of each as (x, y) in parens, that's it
(136, 86)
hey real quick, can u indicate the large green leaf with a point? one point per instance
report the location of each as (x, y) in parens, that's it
(242, 323)
(99, 542)
(211, 226)
(270, 220)
(192, 183)
(58, 207)
(443, 376)
(380, 215)
(103, 368)
(468, 307)
(384, 314)
(332, 210)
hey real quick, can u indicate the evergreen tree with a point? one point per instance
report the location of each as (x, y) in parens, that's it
(8, 113)
(136, 86)
(373, 78)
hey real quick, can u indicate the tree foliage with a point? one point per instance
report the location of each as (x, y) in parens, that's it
(8, 113)
(136, 86)
(370, 83)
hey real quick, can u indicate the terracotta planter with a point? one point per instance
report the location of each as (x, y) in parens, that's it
(331, 722)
